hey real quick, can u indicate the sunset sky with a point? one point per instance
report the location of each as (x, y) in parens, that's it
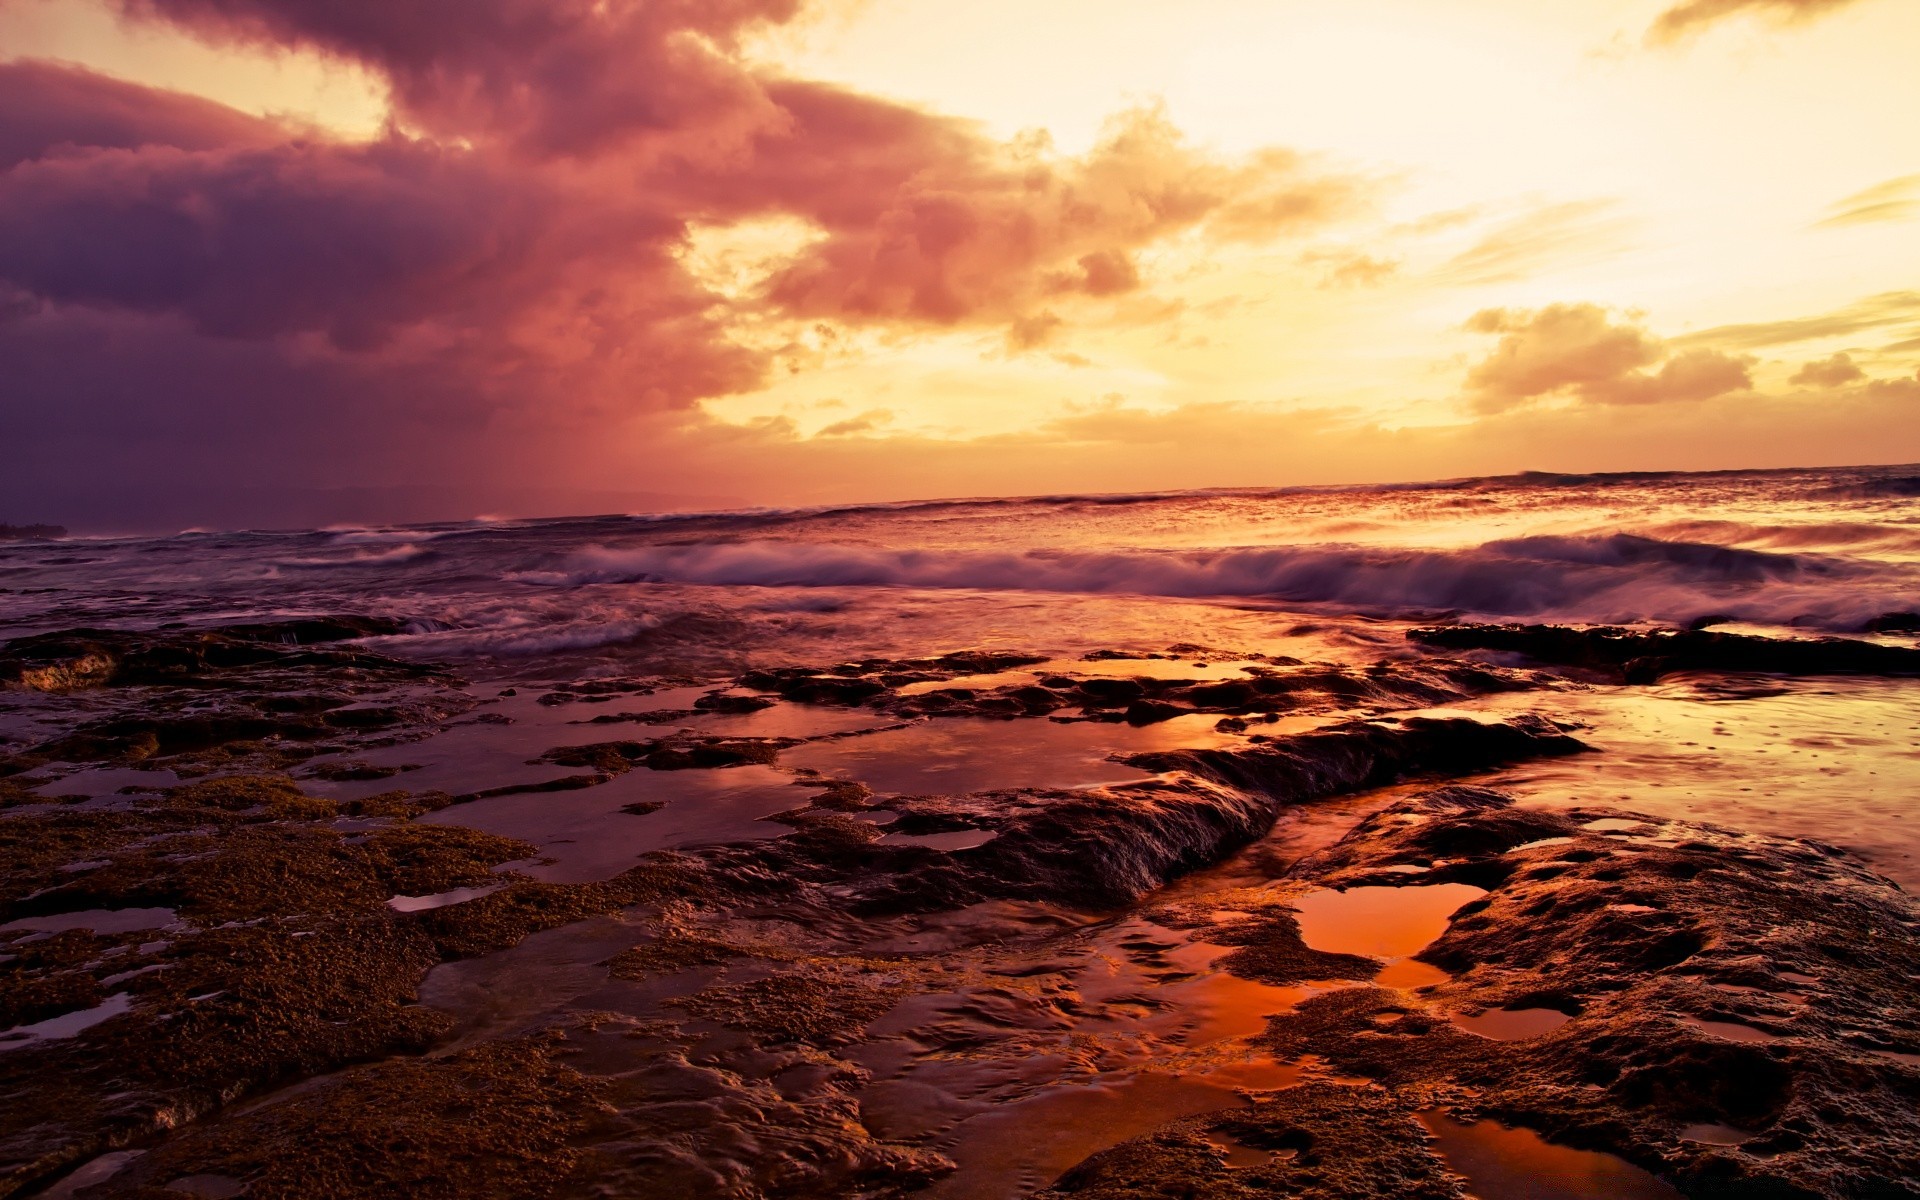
(288, 261)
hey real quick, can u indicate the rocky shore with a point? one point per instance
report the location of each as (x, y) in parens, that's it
(244, 950)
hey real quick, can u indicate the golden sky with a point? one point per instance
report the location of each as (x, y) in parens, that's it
(1229, 241)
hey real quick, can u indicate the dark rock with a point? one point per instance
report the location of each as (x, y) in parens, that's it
(1643, 656)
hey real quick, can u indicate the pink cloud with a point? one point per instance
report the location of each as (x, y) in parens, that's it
(1581, 351)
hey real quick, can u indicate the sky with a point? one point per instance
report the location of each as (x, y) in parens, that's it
(273, 262)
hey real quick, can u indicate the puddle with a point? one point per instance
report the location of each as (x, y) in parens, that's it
(954, 756)
(1715, 1135)
(1163, 1033)
(961, 839)
(212, 1187)
(98, 1170)
(482, 750)
(1732, 1031)
(441, 899)
(1384, 922)
(970, 683)
(1818, 759)
(99, 920)
(1155, 668)
(107, 781)
(589, 837)
(1512, 1024)
(66, 1024)
(504, 992)
(1409, 975)
(1546, 841)
(1517, 1164)
(1241, 1156)
(1019, 1148)
(1614, 825)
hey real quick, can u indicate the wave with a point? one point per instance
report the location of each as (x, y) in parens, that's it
(1607, 578)
(405, 552)
(520, 638)
(361, 535)
(1830, 536)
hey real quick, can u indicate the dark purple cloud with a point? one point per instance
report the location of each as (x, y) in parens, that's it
(500, 276)
(49, 108)
(551, 76)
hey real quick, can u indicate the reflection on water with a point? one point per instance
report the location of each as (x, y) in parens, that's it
(1517, 1164)
(1382, 922)
(976, 754)
(1512, 1024)
(1019, 1148)
(1172, 1032)
(589, 836)
(1732, 1031)
(1836, 760)
(1715, 1135)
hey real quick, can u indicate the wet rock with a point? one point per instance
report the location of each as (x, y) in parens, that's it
(501, 1119)
(1321, 1142)
(195, 657)
(1645, 656)
(1105, 846)
(820, 1010)
(723, 702)
(566, 783)
(679, 752)
(809, 687)
(281, 957)
(1895, 622)
(1675, 948)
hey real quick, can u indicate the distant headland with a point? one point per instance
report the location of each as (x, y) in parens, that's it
(17, 533)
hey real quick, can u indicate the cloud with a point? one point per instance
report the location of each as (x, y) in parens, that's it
(928, 225)
(1829, 372)
(1033, 332)
(1550, 236)
(550, 77)
(1691, 15)
(1581, 352)
(507, 271)
(866, 422)
(1874, 312)
(1894, 200)
(49, 108)
(1344, 268)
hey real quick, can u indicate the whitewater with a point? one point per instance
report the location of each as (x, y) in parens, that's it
(1835, 550)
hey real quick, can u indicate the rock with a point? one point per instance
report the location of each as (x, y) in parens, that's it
(1645, 656)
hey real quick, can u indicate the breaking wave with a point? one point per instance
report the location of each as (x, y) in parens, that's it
(1607, 578)
(405, 552)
